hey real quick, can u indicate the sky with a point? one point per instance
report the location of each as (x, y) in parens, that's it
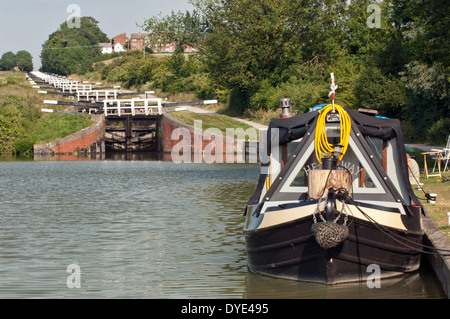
(26, 24)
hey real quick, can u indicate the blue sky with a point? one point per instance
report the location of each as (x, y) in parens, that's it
(26, 24)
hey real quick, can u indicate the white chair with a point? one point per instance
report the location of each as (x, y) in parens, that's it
(443, 157)
(446, 154)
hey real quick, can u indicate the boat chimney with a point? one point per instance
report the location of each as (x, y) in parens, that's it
(285, 105)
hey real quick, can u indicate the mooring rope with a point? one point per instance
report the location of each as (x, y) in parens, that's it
(427, 195)
(392, 234)
(337, 234)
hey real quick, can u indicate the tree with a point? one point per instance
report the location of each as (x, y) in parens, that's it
(423, 26)
(182, 28)
(428, 99)
(24, 61)
(256, 46)
(72, 50)
(248, 41)
(8, 61)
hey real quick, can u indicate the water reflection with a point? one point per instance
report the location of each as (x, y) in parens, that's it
(114, 156)
(421, 284)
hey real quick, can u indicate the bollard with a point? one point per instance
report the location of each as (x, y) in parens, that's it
(432, 198)
(448, 214)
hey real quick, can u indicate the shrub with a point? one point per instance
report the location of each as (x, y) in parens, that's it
(24, 145)
(439, 132)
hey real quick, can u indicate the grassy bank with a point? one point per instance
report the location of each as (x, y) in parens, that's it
(441, 187)
(436, 185)
(22, 124)
(210, 120)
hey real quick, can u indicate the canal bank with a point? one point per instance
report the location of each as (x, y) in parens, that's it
(439, 256)
(89, 140)
(144, 133)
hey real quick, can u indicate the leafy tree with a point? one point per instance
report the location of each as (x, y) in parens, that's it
(249, 42)
(70, 50)
(182, 28)
(423, 26)
(24, 61)
(256, 52)
(8, 61)
(428, 98)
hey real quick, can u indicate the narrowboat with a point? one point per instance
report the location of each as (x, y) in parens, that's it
(333, 203)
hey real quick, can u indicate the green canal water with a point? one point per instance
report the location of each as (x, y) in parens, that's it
(144, 228)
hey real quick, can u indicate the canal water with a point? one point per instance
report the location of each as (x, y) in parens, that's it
(144, 229)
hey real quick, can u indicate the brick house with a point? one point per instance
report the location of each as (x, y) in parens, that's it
(137, 40)
(118, 42)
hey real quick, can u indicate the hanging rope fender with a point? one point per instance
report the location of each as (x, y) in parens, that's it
(329, 234)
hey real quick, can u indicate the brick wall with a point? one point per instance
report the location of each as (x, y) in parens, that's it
(198, 143)
(87, 140)
(203, 143)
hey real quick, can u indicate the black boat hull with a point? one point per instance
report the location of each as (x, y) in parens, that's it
(290, 251)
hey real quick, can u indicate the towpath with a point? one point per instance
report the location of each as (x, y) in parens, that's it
(425, 148)
(199, 110)
(195, 109)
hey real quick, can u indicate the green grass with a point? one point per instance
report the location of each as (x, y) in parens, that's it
(54, 126)
(437, 185)
(22, 124)
(438, 211)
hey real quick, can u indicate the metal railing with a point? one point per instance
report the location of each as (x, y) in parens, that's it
(120, 106)
(97, 95)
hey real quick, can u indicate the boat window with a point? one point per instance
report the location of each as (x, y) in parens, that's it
(291, 146)
(364, 179)
(360, 176)
(301, 179)
(376, 144)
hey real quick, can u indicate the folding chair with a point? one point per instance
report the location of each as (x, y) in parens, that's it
(446, 154)
(443, 156)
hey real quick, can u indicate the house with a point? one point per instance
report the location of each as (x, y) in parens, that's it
(170, 47)
(137, 40)
(118, 42)
(106, 47)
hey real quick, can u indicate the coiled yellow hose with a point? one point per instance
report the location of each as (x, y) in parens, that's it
(322, 147)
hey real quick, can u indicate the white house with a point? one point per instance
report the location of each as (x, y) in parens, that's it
(118, 47)
(106, 48)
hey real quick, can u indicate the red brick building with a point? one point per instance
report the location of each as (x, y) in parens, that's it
(137, 40)
(119, 42)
